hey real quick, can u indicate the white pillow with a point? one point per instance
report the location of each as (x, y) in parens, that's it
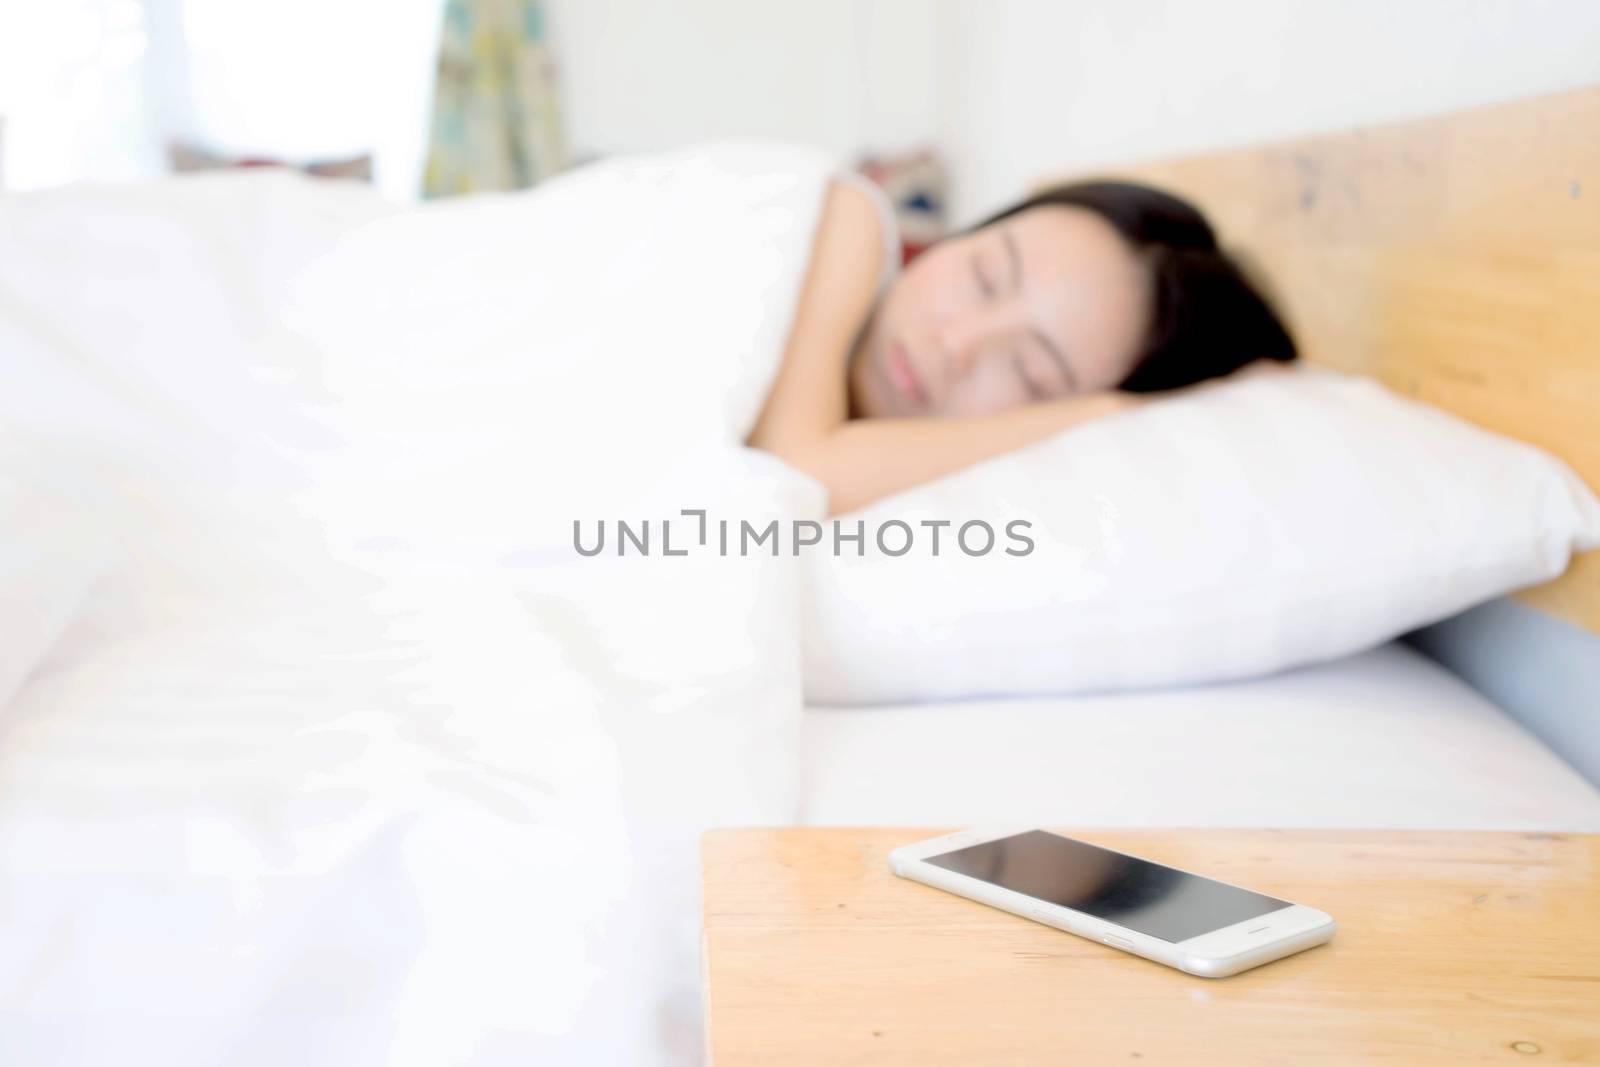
(1249, 527)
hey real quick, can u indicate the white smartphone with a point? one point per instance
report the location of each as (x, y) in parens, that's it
(1196, 924)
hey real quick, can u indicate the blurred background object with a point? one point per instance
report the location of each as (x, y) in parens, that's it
(915, 182)
(1000, 91)
(187, 158)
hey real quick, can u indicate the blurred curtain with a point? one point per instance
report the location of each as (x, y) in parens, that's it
(495, 119)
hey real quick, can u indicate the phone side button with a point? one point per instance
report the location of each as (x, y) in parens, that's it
(1117, 942)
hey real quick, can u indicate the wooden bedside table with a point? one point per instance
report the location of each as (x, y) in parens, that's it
(1452, 948)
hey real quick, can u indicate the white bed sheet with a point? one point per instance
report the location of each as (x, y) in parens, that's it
(1383, 739)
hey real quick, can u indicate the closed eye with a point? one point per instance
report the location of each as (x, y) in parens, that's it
(1035, 390)
(984, 286)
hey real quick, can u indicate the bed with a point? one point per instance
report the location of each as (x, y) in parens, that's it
(1387, 738)
(360, 766)
(1426, 254)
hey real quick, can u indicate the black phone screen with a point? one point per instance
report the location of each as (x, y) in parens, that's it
(1159, 901)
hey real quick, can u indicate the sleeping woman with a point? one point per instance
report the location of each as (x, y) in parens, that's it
(1060, 309)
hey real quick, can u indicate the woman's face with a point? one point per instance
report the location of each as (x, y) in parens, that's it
(1049, 302)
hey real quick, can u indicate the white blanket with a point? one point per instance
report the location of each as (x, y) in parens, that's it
(349, 758)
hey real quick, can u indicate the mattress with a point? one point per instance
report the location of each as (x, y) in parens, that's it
(1385, 739)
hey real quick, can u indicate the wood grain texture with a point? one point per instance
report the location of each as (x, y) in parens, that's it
(1452, 948)
(1456, 259)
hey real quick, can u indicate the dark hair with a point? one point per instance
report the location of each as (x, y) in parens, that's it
(1208, 319)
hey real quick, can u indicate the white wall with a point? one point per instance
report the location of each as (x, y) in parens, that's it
(1031, 88)
(1013, 90)
(307, 79)
(634, 75)
(642, 74)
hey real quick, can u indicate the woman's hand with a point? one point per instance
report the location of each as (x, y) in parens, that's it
(867, 459)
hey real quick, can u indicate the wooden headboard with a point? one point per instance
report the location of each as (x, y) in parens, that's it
(1454, 258)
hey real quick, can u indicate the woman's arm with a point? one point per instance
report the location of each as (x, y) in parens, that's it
(806, 418)
(866, 459)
